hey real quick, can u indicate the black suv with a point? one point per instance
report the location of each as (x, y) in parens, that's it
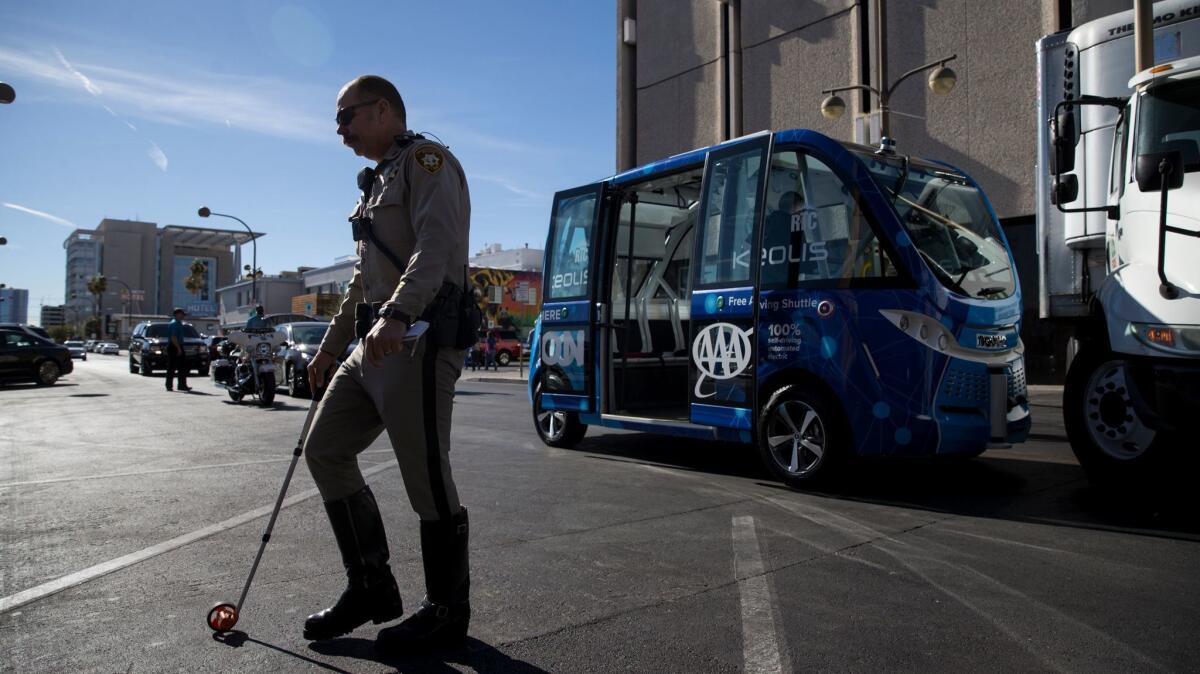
(148, 349)
(25, 356)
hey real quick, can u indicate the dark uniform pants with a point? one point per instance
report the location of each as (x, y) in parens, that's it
(176, 366)
(411, 396)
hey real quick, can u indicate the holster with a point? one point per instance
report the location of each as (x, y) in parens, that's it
(453, 317)
(365, 316)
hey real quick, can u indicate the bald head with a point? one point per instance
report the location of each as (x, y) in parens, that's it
(370, 114)
(374, 86)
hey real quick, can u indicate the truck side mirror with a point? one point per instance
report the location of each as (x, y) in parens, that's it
(1065, 138)
(1066, 189)
(1155, 167)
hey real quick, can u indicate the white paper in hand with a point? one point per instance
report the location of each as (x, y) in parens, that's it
(414, 332)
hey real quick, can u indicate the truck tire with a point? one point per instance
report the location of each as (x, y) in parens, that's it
(801, 437)
(556, 428)
(1114, 446)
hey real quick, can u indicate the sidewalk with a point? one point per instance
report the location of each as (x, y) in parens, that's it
(510, 374)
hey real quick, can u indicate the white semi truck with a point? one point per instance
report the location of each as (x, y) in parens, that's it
(1118, 221)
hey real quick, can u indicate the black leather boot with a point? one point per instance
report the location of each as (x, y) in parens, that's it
(445, 612)
(371, 593)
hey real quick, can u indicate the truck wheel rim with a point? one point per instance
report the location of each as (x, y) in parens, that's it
(551, 422)
(48, 372)
(796, 437)
(1111, 420)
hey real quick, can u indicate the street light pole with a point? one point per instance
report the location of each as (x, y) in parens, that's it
(940, 82)
(128, 297)
(204, 212)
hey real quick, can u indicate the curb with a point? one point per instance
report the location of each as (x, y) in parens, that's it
(493, 380)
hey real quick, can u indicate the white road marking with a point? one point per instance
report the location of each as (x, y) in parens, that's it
(105, 476)
(760, 647)
(92, 572)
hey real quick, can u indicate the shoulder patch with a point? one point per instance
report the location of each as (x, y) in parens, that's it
(430, 159)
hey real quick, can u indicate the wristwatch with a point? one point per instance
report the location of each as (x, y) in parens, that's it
(394, 313)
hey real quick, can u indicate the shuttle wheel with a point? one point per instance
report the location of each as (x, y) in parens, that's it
(800, 437)
(556, 427)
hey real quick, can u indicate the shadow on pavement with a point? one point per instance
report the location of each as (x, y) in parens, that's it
(285, 407)
(26, 386)
(474, 654)
(999, 485)
(237, 639)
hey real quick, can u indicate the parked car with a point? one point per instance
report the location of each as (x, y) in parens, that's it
(508, 346)
(301, 341)
(75, 346)
(109, 348)
(212, 342)
(148, 349)
(25, 356)
(35, 330)
(90, 346)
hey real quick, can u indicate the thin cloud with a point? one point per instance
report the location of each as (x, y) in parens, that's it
(157, 156)
(184, 98)
(41, 214)
(510, 186)
(87, 84)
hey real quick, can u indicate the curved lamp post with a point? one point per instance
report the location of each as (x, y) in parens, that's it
(204, 213)
(128, 298)
(941, 81)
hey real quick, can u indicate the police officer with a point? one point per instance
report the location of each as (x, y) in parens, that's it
(257, 320)
(412, 225)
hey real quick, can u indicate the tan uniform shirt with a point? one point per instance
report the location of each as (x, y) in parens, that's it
(421, 210)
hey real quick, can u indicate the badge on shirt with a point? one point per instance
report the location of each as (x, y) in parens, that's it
(430, 159)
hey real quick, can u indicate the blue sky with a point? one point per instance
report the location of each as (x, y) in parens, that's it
(149, 110)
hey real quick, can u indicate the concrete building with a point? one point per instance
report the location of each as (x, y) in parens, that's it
(148, 267)
(324, 288)
(275, 293)
(83, 262)
(692, 73)
(52, 316)
(493, 256)
(14, 305)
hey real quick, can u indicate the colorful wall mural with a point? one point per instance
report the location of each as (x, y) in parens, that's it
(509, 299)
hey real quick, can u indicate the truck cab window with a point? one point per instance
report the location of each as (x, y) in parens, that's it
(1116, 174)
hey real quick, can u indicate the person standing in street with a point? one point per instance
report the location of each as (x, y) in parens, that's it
(491, 352)
(176, 358)
(411, 225)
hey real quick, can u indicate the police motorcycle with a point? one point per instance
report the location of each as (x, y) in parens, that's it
(245, 366)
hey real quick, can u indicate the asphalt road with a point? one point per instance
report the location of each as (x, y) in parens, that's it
(126, 512)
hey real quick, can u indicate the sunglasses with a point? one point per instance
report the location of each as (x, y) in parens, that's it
(346, 115)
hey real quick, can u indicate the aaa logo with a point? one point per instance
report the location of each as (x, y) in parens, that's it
(720, 351)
